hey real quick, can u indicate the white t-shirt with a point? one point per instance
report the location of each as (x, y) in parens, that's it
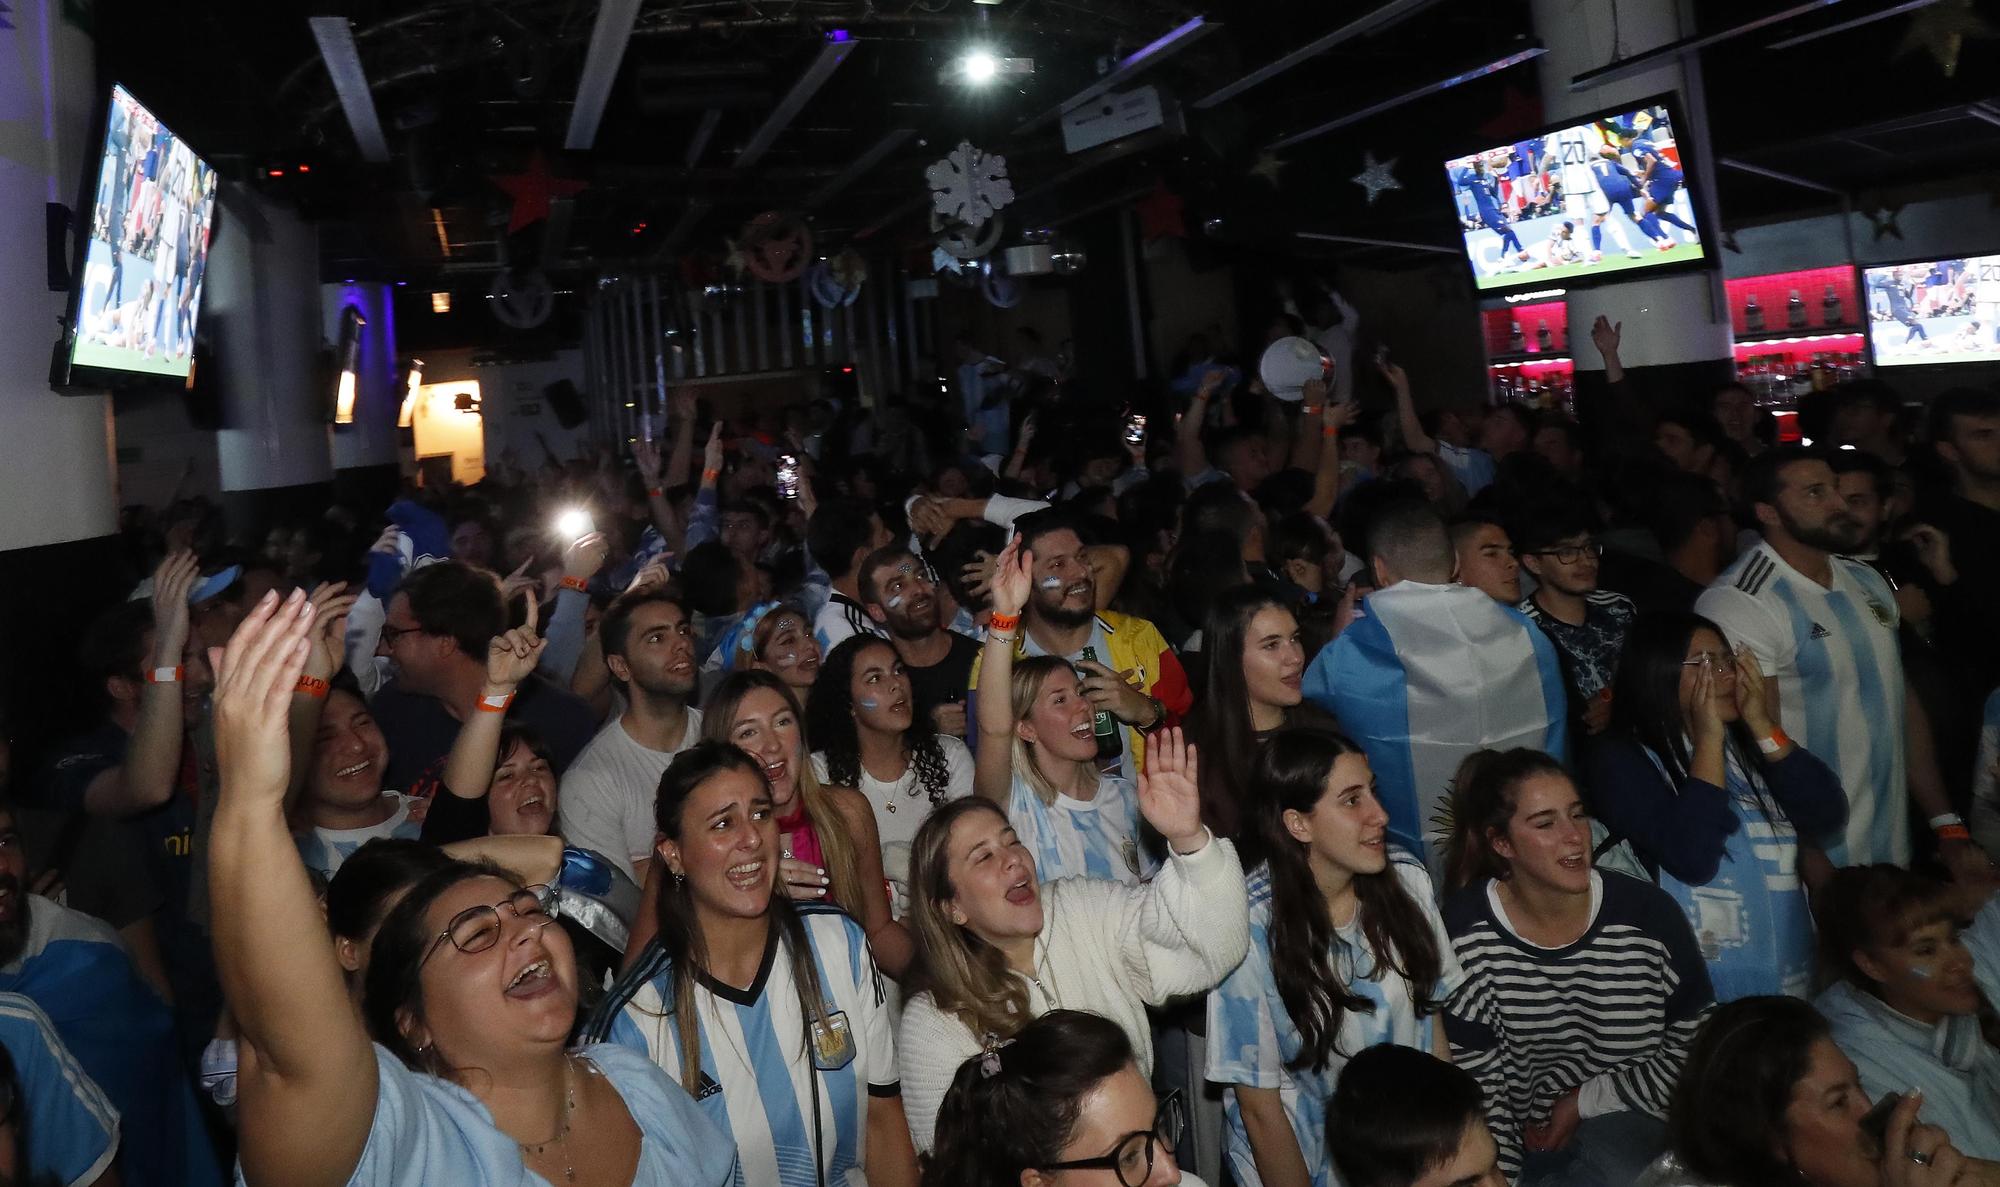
(324, 849)
(607, 795)
(902, 806)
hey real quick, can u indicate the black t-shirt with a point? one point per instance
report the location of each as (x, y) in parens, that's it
(945, 681)
(420, 731)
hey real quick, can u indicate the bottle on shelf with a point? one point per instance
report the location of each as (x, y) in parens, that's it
(1795, 311)
(1753, 315)
(1517, 342)
(1544, 342)
(1829, 308)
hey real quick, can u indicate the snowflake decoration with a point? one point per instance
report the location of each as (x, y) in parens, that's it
(969, 185)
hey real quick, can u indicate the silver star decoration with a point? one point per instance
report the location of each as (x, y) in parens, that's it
(1376, 176)
(1268, 167)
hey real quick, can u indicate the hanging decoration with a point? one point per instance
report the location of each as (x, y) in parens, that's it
(1377, 177)
(534, 192)
(520, 300)
(966, 241)
(774, 247)
(1883, 220)
(837, 281)
(1161, 214)
(1268, 167)
(1001, 291)
(969, 185)
(1942, 30)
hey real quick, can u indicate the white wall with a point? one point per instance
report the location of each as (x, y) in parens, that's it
(515, 408)
(56, 474)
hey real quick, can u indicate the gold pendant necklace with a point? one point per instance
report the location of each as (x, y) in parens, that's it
(561, 1139)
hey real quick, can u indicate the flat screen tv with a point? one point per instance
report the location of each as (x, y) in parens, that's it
(145, 224)
(1933, 311)
(1594, 199)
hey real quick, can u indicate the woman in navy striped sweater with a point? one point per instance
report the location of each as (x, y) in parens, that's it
(1582, 989)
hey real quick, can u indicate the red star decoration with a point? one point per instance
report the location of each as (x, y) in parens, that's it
(533, 191)
(1519, 111)
(1160, 215)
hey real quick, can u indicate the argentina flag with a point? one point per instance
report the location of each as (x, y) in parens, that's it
(1423, 677)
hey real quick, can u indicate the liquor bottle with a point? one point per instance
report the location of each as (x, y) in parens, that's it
(1795, 311)
(1753, 316)
(1543, 340)
(1517, 342)
(1110, 749)
(1829, 308)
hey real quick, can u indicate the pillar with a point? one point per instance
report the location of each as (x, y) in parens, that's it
(1676, 338)
(261, 303)
(365, 452)
(56, 471)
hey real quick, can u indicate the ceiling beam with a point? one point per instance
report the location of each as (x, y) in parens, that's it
(1382, 17)
(600, 70)
(1142, 59)
(703, 133)
(1776, 175)
(1856, 23)
(890, 142)
(1360, 241)
(831, 55)
(350, 82)
(1675, 50)
(1525, 53)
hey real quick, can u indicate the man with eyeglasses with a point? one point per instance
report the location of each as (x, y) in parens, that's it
(1587, 624)
(1823, 627)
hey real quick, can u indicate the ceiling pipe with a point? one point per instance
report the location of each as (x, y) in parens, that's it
(1526, 53)
(1686, 46)
(1188, 33)
(890, 142)
(831, 55)
(1392, 13)
(600, 70)
(343, 66)
(1856, 23)
(703, 133)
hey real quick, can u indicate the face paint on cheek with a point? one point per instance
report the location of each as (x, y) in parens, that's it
(1922, 972)
(895, 601)
(870, 703)
(1051, 583)
(788, 660)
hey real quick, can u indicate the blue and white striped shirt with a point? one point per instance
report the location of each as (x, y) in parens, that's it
(765, 1083)
(1072, 838)
(1833, 657)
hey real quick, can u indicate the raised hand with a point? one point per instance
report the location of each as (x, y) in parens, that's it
(646, 455)
(254, 678)
(330, 603)
(1753, 695)
(1313, 394)
(682, 403)
(1933, 548)
(512, 656)
(1341, 413)
(518, 580)
(172, 582)
(585, 555)
(1013, 578)
(1211, 382)
(1705, 711)
(1398, 378)
(386, 543)
(655, 573)
(1604, 334)
(978, 573)
(1170, 791)
(711, 454)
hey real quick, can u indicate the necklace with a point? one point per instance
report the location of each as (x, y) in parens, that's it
(561, 1139)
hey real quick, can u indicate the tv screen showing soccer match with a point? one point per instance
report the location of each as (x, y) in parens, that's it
(1607, 194)
(145, 250)
(1935, 311)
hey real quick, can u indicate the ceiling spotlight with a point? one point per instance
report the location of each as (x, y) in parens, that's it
(979, 66)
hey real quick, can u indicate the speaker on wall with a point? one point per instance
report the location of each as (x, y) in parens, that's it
(566, 402)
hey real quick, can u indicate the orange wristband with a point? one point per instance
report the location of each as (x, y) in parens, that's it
(494, 704)
(1329, 431)
(172, 675)
(1954, 832)
(710, 475)
(654, 492)
(312, 686)
(576, 583)
(1775, 742)
(1003, 622)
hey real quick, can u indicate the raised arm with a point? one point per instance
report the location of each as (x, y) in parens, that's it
(581, 561)
(330, 604)
(510, 658)
(993, 772)
(307, 1080)
(1414, 437)
(681, 457)
(145, 779)
(1188, 451)
(1307, 445)
(1326, 478)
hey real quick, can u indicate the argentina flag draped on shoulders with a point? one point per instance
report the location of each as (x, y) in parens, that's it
(1426, 675)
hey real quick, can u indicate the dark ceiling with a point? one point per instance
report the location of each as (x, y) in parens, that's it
(470, 89)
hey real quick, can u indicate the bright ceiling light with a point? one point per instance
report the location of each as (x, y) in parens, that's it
(979, 66)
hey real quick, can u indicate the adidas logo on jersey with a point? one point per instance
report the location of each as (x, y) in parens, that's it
(1820, 632)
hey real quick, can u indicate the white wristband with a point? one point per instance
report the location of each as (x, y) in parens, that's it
(1946, 821)
(164, 676)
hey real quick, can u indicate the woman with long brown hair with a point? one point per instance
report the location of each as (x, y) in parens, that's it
(997, 946)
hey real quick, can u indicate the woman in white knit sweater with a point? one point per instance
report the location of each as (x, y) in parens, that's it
(996, 949)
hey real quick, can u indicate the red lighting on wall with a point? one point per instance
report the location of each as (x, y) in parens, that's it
(305, 168)
(277, 172)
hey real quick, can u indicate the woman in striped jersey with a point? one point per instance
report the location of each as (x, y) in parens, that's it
(772, 1016)
(1581, 988)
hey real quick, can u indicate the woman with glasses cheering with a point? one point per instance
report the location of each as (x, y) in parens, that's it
(1713, 798)
(469, 1000)
(1062, 1105)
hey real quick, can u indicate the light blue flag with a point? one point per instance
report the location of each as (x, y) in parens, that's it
(1423, 677)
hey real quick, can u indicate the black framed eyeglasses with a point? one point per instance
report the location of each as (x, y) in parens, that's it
(1132, 1158)
(1569, 554)
(476, 929)
(390, 634)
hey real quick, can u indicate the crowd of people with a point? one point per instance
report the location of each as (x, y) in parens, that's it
(1315, 791)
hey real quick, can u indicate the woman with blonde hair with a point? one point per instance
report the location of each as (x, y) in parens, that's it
(831, 851)
(998, 946)
(1037, 754)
